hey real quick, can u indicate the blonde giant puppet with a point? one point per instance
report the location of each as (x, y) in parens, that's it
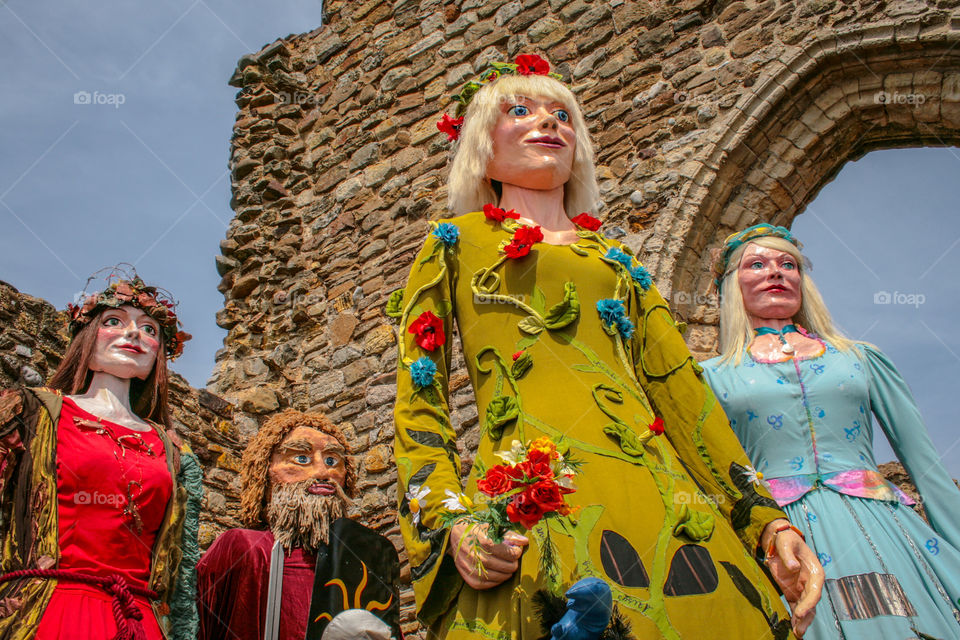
(565, 337)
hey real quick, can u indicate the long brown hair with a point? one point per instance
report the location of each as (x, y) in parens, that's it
(148, 398)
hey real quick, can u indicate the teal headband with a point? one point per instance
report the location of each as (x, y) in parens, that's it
(737, 240)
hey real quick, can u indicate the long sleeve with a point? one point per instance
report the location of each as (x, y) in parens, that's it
(183, 604)
(695, 422)
(424, 441)
(892, 403)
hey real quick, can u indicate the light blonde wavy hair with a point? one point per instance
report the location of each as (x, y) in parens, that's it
(736, 332)
(469, 188)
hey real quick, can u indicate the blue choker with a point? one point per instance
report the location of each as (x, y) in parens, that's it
(786, 347)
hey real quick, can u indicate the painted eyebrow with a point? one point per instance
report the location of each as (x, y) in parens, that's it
(298, 445)
(335, 448)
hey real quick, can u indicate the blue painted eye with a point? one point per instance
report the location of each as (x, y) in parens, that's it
(518, 110)
(330, 461)
(562, 115)
(302, 459)
(756, 265)
(111, 322)
(149, 329)
(789, 266)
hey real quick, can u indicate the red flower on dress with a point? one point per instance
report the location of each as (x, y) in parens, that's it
(517, 355)
(450, 126)
(532, 65)
(657, 427)
(523, 240)
(497, 214)
(428, 329)
(586, 221)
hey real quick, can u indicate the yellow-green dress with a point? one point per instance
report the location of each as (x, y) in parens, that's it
(573, 342)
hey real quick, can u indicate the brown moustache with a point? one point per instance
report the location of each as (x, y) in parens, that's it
(299, 518)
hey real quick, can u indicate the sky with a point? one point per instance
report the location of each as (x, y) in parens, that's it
(114, 146)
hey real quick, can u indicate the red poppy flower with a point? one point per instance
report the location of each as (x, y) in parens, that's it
(523, 240)
(450, 126)
(428, 329)
(586, 221)
(530, 64)
(498, 214)
(657, 427)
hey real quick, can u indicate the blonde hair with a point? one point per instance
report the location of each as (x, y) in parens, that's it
(736, 332)
(469, 189)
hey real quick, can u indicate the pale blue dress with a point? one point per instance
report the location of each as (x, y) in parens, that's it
(806, 425)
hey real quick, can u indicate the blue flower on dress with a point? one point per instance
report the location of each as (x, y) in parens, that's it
(619, 256)
(447, 233)
(613, 313)
(641, 276)
(422, 372)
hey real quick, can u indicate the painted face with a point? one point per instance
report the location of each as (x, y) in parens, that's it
(533, 144)
(310, 454)
(128, 341)
(770, 283)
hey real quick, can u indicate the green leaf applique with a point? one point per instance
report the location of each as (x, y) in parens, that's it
(565, 312)
(501, 411)
(394, 307)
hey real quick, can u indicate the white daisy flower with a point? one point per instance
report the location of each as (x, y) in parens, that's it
(414, 495)
(454, 501)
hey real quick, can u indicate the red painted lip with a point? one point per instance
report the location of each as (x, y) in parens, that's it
(776, 287)
(132, 348)
(322, 489)
(548, 141)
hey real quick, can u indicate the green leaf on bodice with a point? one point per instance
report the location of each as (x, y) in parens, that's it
(532, 325)
(395, 304)
(521, 365)
(501, 411)
(565, 312)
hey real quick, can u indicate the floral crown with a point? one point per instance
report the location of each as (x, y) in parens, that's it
(156, 303)
(736, 240)
(524, 65)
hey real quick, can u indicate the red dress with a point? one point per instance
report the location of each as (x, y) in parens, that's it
(113, 486)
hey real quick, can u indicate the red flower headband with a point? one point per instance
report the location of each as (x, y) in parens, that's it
(525, 65)
(157, 304)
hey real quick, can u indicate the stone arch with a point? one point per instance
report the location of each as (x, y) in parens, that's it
(835, 100)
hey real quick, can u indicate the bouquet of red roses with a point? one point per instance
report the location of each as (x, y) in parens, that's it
(527, 487)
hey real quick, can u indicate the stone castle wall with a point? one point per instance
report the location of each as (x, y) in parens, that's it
(707, 116)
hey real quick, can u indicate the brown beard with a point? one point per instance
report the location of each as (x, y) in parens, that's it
(299, 518)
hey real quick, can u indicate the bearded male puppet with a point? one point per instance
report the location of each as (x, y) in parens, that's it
(301, 564)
